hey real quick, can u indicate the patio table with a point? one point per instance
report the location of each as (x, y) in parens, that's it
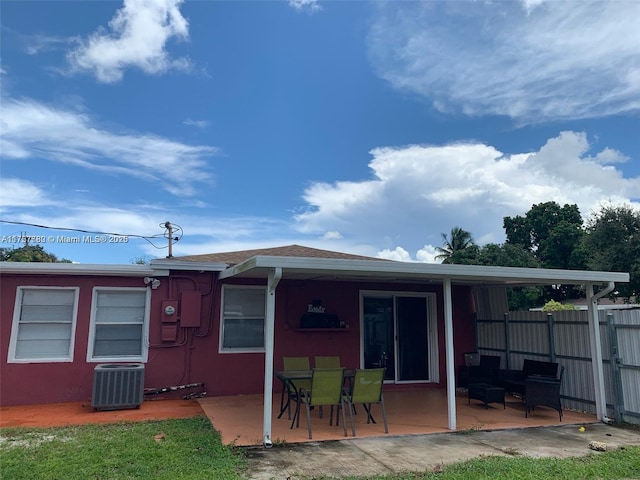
(288, 379)
(486, 393)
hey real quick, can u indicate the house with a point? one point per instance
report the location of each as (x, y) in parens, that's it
(227, 320)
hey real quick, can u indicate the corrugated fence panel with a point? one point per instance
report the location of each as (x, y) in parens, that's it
(491, 335)
(631, 391)
(529, 338)
(577, 384)
(628, 341)
(571, 334)
(529, 332)
(573, 351)
(491, 302)
(627, 328)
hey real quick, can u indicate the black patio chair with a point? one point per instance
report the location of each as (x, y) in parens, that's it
(487, 371)
(543, 391)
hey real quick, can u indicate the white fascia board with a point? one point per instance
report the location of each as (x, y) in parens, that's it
(40, 268)
(166, 264)
(376, 268)
(245, 266)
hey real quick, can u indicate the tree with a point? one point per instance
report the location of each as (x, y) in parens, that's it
(552, 233)
(458, 241)
(553, 306)
(507, 255)
(29, 253)
(142, 260)
(510, 255)
(612, 242)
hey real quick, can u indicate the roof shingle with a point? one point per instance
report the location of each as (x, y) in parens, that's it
(233, 258)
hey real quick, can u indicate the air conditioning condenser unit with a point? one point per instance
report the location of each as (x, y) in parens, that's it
(117, 386)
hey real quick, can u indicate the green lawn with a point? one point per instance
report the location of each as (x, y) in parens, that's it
(170, 449)
(191, 449)
(616, 465)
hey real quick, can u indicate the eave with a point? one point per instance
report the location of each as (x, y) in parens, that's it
(296, 268)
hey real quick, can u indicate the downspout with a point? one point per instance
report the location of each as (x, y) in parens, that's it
(272, 282)
(596, 350)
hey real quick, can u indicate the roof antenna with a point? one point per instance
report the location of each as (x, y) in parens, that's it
(169, 235)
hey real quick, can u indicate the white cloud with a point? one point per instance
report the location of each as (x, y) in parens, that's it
(415, 193)
(533, 62)
(16, 192)
(398, 254)
(196, 123)
(427, 254)
(36, 44)
(332, 236)
(310, 6)
(137, 37)
(530, 5)
(33, 130)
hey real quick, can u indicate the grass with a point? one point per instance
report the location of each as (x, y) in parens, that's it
(615, 465)
(170, 449)
(192, 449)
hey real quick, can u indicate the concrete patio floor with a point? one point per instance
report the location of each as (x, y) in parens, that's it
(418, 438)
(239, 418)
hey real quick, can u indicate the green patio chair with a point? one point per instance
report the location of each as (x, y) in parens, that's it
(292, 389)
(367, 389)
(327, 362)
(326, 390)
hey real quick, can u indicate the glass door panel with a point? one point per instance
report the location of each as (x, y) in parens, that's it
(411, 325)
(378, 334)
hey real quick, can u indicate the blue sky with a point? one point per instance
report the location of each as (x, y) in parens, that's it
(362, 127)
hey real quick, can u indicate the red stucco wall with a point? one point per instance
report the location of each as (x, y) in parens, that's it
(194, 356)
(26, 383)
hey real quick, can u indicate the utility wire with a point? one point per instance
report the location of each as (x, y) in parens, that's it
(143, 237)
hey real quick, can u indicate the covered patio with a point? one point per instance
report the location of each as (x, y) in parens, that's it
(448, 409)
(409, 412)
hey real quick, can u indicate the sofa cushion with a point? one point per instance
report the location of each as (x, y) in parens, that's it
(536, 367)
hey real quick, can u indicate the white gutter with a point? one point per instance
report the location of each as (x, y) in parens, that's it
(257, 266)
(274, 277)
(596, 350)
(167, 264)
(42, 268)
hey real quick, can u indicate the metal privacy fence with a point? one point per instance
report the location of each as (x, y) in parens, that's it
(563, 337)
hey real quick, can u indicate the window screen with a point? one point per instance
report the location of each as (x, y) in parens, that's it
(243, 318)
(119, 322)
(45, 323)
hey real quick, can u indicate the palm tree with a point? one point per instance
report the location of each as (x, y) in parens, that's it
(458, 240)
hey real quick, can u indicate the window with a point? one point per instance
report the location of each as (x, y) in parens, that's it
(119, 323)
(44, 322)
(243, 312)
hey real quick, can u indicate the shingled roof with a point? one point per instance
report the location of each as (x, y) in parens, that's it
(233, 258)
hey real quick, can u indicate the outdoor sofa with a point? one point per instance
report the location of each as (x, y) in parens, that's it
(538, 383)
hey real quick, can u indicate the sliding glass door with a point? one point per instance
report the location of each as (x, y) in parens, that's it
(399, 333)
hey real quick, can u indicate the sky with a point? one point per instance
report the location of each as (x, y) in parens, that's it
(369, 128)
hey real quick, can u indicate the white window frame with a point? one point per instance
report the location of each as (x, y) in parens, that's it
(15, 326)
(145, 326)
(221, 347)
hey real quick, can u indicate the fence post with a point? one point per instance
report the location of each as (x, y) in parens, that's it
(616, 376)
(552, 340)
(475, 329)
(507, 344)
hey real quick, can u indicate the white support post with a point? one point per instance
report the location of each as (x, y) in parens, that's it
(596, 354)
(451, 374)
(269, 324)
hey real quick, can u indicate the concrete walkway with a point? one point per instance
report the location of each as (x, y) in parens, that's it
(418, 453)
